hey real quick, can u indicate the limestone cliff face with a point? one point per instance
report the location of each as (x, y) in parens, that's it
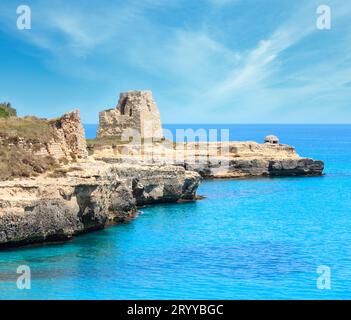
(259, 167)
(136, 112)
(92, 196)
(247, 159)
(219, 160)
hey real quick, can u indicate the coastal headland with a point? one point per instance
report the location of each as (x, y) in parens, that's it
(55, 184)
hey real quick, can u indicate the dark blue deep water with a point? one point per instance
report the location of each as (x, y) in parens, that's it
(249, 239)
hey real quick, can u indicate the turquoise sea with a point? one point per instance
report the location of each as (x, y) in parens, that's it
(249, 239)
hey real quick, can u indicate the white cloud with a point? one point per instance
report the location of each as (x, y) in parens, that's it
(248, 92)
(198, 70)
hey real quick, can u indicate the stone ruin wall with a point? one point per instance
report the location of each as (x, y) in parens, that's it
(69, 141)
(135, 111)
(70, 136)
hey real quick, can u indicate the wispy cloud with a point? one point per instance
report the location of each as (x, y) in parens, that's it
(175, 48)
(250, 90)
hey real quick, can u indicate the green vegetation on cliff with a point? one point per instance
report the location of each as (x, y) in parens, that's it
(6, 110)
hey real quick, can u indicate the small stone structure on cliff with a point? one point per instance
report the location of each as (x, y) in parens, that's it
(271, 139)
(136, 112)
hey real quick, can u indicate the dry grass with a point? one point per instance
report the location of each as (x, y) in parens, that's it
(16, 163)
(98, 143)
(30, 128)
(62, 172)
(106, 141)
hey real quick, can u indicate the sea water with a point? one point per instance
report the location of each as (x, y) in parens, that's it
(248, 239)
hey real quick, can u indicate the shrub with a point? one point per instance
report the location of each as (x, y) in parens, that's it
(6, 110)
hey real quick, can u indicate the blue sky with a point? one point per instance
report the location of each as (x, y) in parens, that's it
(206, 61)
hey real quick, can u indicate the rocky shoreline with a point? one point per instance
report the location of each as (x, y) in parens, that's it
(92, 196)
(77, 193)
(220, 160)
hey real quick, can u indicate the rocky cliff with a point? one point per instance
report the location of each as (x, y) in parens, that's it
(218, 160)
(246, 159)
(91, 196)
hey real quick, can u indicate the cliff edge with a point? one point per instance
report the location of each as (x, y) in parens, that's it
(50, 190)
(91, 196)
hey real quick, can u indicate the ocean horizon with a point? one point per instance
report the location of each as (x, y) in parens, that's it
(247, 130)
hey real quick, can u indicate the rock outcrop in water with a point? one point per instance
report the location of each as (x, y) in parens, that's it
(219, 160)
(81, 194)
(249, 159)
(211, 160)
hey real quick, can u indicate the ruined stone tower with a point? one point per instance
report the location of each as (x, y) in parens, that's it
(136, 110)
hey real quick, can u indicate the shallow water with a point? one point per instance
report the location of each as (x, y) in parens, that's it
(249, 239)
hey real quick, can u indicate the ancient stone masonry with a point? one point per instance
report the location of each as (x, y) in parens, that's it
(67, 139)
(136, 112)
(70, 133)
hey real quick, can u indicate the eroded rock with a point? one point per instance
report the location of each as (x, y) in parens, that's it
(92, 196)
